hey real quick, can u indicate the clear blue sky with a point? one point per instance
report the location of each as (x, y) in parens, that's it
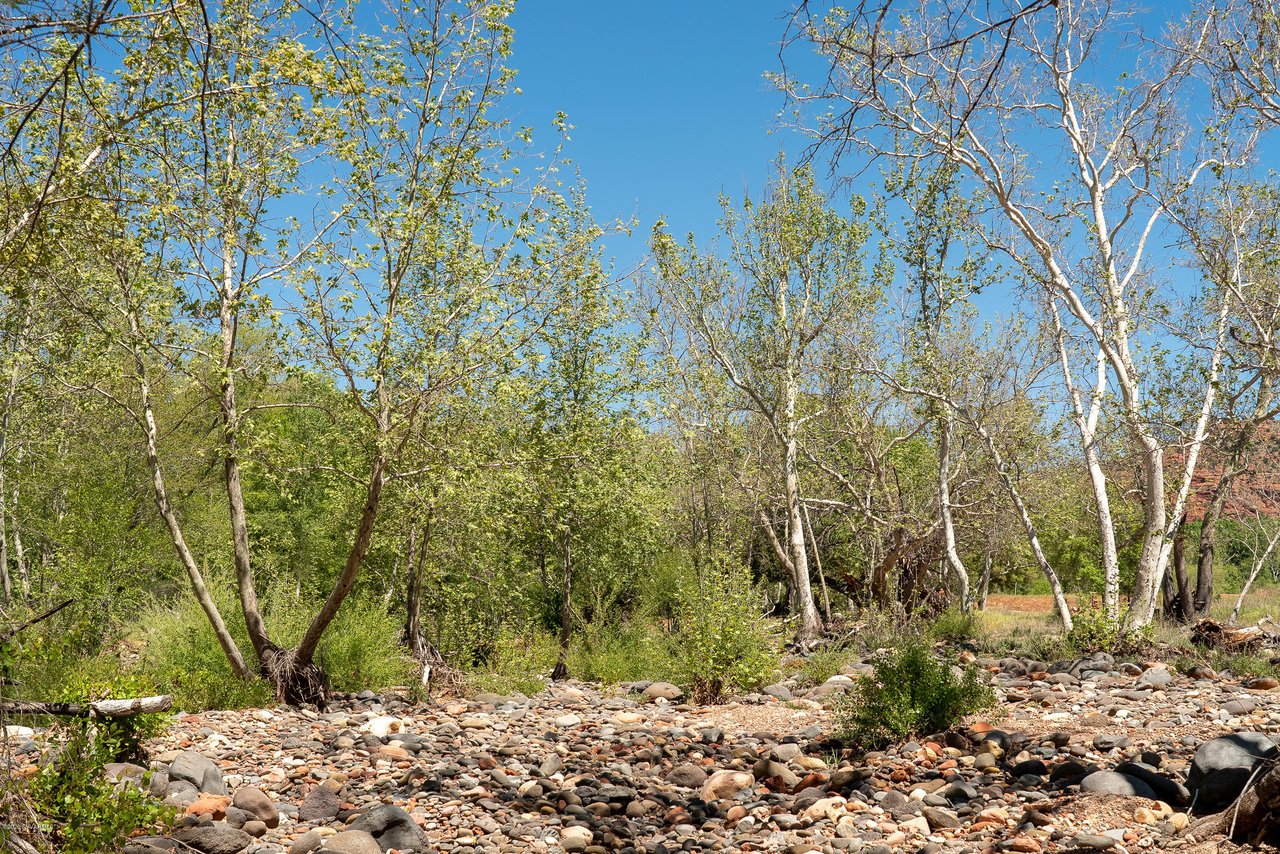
(668, 99)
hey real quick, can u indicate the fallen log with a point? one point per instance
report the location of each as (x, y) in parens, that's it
(97, 708)
(1214, 635)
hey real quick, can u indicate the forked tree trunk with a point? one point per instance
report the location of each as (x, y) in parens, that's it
(817, 560)
(1177, 587)
(984, 582)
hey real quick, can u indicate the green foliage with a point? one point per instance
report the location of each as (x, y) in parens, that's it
(1093, 630)
(519, 663)
(633, 651)
(360, 651)
(180, 654)
(910, 693)
(1242, 665)
(81, 811)
(819, 666)
(1035, 644)
(956, 626)
(723, 644)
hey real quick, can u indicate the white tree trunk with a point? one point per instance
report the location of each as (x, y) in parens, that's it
(1253, 575)
(954, 562)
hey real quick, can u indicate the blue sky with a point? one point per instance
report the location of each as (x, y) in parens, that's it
(668, 99)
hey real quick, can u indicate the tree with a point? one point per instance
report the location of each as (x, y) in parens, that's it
(991, 105)
(792, 281)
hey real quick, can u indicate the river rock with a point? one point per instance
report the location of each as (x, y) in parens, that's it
(392, 827)
(199, 771)
(1222, 766)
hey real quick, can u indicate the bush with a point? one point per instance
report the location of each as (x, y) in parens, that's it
(956, 626)
(180, 655)
(1092, 630)
(610, 653)
(910, 693)
(723, 644)
(821, 664)
(360, 650)
(518, 662)
(80, 810)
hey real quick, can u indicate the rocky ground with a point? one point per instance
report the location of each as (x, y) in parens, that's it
(1085, 755)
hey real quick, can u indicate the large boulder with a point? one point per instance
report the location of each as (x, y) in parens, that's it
(688, 775)
(1222, 767)
(662, 691)
(392, 827)
(200, 771)
(1167, 790)
(322, 804)
(726, 784)
(255, 802)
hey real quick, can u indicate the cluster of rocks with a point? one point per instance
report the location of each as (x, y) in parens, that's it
(1089, 754)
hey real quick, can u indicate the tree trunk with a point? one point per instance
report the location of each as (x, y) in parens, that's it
(561, 670)
(984, 582)
(1087, 426)
(228, 322)
(1179, 606)
(11, 395)
(1154, 558)
(1258, 564)
(817, 559)
(1236, 460)
(1028, 526)
(20, 552)
(415, 559)
(6, 581)
(810, 622)
(303, 655)
(954, 563)
(160, 493)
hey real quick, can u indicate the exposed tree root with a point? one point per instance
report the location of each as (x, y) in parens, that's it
(296, 684)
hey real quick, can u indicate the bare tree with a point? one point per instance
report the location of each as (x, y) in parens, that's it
(1082, 173)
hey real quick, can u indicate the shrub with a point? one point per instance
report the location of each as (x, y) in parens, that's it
(909, 693)
(80, 810)
(630, 652)
(180, 655)
(518, 662)
(1092, 630)
(360, 650)
(820, 665)
(956, 626)
(723, 644)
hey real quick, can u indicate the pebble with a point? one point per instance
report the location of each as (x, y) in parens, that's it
(576, 768)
